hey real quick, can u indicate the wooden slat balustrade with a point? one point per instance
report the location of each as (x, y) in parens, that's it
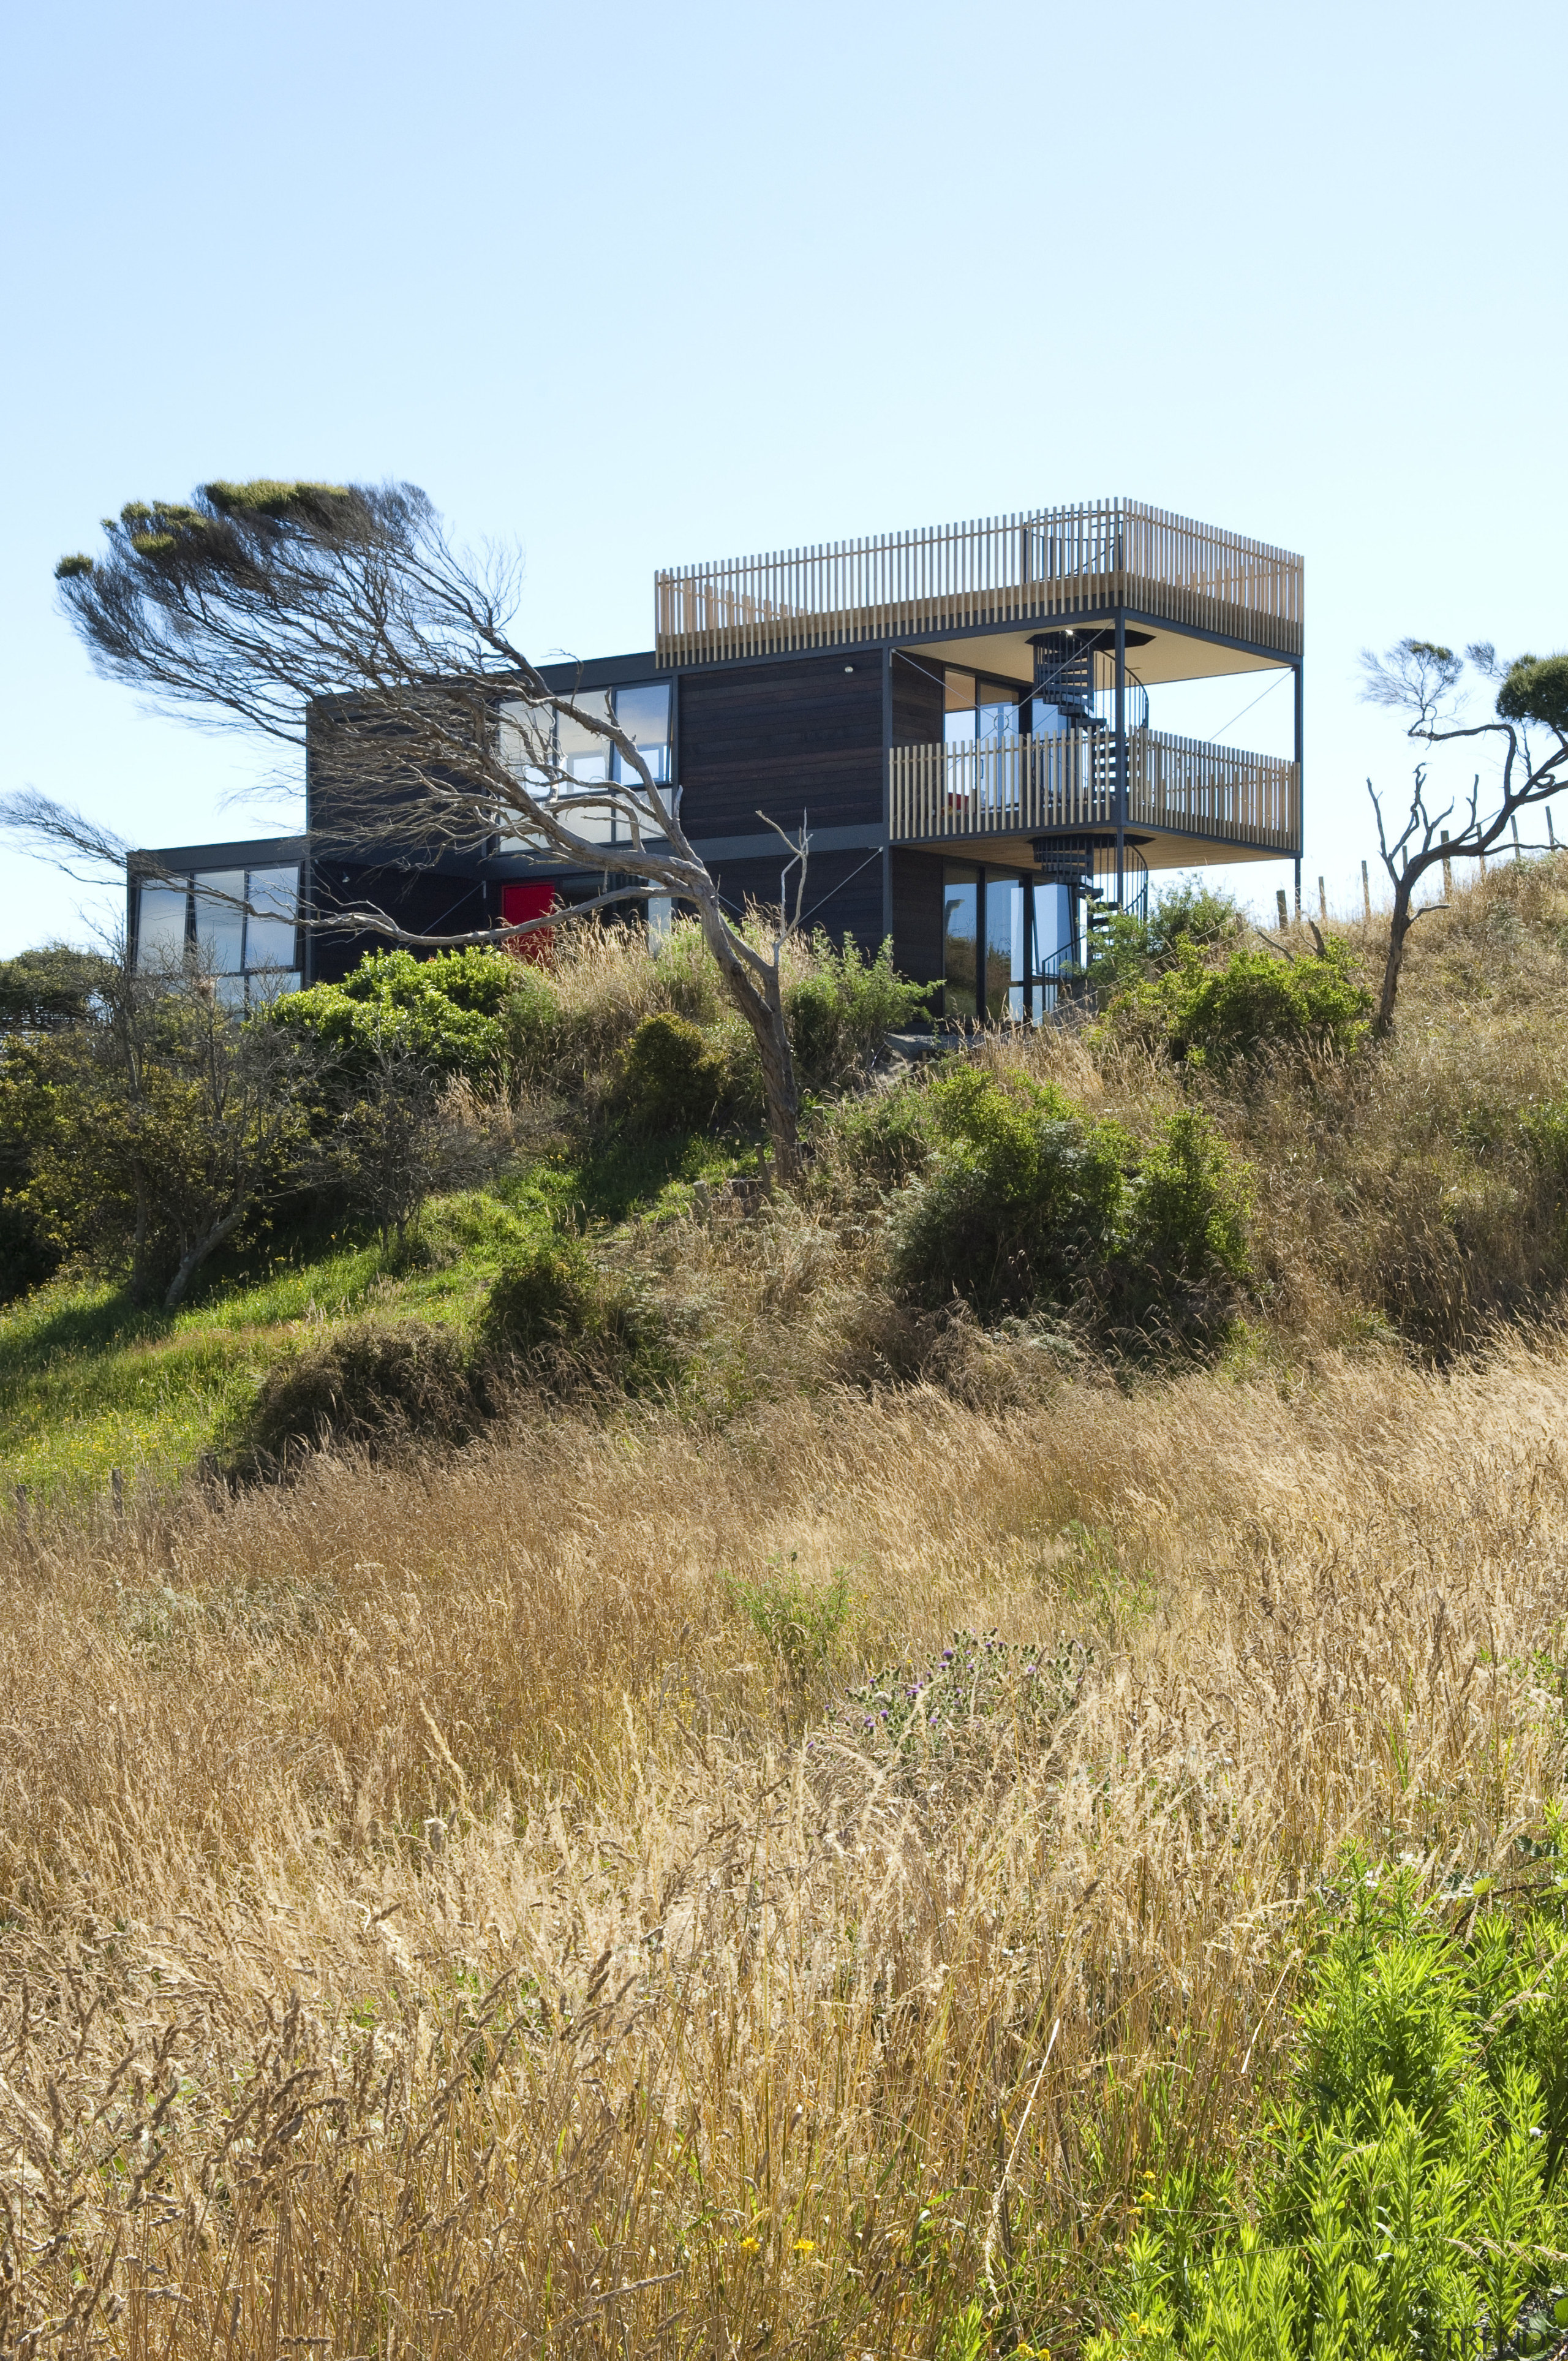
(1025, 786)
(994, 572)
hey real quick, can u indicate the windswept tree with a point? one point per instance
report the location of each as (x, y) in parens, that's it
(343, 613)
(1425, 680)
(154, 1127)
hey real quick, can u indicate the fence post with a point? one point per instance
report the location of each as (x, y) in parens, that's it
(1279, 905)
(1447, 871)
(1322, 903)
(1367, 889)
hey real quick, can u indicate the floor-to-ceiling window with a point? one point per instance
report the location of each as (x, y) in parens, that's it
(960, 939)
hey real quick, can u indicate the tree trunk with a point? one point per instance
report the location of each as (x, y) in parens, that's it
(1398, 929)
(194, 1257)
(763, 1012)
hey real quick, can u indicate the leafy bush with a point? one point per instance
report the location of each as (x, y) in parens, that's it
(1187, 915)
(1027, 1204)
(1189, 1206)
(1255, 1001)
(43, 990)
(450, 1014)
(885, 1138)
(1409, 2203)
(1023, 1201)
(841, 1012)
(368, 1382)
(672, 1079)
(554, 1315)
(545, 1299)
(803, 1629)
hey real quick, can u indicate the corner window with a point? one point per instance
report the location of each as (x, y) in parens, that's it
(205, 925)
(642, 710)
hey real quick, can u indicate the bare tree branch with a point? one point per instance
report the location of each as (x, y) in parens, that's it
(1421, 678)
(342, 617)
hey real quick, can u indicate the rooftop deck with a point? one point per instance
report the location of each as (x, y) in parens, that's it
(1035, 567)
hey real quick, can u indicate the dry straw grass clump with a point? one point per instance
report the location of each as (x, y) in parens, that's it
(426, 1930)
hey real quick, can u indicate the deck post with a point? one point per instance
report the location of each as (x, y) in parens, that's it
(1120, 755)
(887, 792)
(1301, 800)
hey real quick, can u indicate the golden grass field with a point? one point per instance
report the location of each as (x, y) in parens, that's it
(457, 1906)
(437, 1925)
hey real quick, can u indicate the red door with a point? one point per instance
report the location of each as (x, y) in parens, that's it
(529, 901)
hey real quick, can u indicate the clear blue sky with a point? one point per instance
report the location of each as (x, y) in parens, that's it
(633, 286)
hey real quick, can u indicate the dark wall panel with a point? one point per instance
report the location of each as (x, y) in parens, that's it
(423, 902)
(843, 892)
(917, 915)
(919, 702)
(780, 738)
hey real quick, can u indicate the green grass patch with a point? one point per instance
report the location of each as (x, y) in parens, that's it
(89, 1381)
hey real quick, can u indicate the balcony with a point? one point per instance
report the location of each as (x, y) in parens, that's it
(1182, 790)
(997, 573)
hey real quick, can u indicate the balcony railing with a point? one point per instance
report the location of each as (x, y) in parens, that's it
(1027, 786)
(996, 572)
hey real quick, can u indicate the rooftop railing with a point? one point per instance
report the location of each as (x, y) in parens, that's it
(996, 572)
(1029, 786)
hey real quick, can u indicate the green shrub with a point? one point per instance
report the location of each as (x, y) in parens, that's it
(804, 1630)
(840, 1014)
(1026, 1204)
(672, 1079)
(1189, 915)
(1191, 1203)
(372, 1383)
(1253, 1002)
(885, 1138)
(545, 1300)
(450, 1014)
(1410, 2200)
(532, 1023)
(1023, 1203)
(553, 1313)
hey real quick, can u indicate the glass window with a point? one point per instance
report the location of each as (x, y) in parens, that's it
(270, 983)
(585, 755)
(961, 895)
(996, 710)
(959, 720)
(160, 927)
(1001, 896)
(644, 712)
(274, 898)
(220, 921)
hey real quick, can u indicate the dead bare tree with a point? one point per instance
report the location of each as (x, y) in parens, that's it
(343, 615)
(1422, 678)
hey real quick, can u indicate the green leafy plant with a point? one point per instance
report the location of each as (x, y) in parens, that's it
(449, 1014)
(802, 1628)
(1187, 916)
(1409, 2202)
(1022, 1200)
(842, 1012)
(671, 1078)
(553, 1314)
(1253, 1001)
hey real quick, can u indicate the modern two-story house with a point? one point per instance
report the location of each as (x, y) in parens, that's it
(960, 715)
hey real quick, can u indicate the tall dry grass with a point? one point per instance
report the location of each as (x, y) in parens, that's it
(422, 1935)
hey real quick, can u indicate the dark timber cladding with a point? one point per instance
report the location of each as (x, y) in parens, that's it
(781, 739)
(843, 890)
